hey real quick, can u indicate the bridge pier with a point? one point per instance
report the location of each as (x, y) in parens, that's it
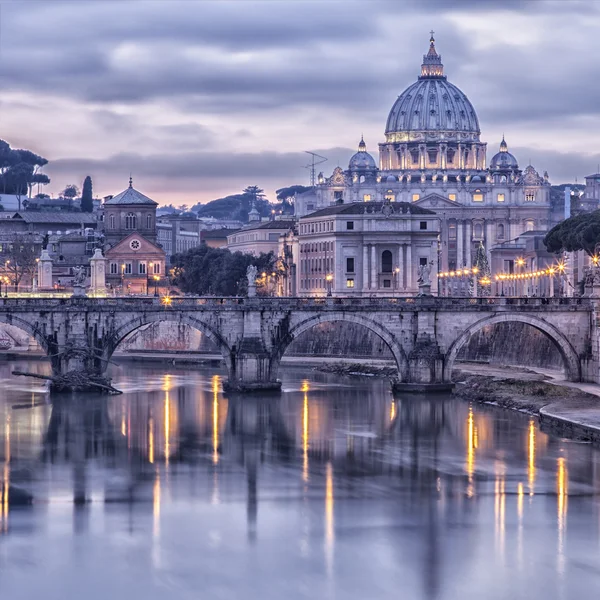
(425, 370)
(250, 369)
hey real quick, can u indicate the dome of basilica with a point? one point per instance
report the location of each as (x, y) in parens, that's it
(503, 159)
(433, 104)
(362, 160)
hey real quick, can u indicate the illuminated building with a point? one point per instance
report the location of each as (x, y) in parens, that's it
(433, 157)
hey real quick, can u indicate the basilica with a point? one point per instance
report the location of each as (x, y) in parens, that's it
(433, 158)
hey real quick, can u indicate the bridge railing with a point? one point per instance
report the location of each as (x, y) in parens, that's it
(286, 303)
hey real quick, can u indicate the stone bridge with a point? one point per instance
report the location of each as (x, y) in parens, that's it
(424, 334)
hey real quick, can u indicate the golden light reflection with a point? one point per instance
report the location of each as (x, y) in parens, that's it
(393, 410)
(531, 457)
(215, 416)
(329, 518)
(151, 440)
(123, 421)
(5, 477)
(562, 492)
(500, 508)
(305, 433)
(520, 500)
(471, 447)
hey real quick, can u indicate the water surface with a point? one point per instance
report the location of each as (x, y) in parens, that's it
(335, 489)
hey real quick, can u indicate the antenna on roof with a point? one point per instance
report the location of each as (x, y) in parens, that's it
(313, 163)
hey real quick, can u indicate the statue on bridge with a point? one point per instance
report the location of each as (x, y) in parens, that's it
(424, 279)
(79, 277)
(251, 273)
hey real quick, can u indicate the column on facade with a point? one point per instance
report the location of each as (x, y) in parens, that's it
(373, 267)
(459, 244)
(488, 239)
(422, 157)
(444, 239)
(404, 163)
(365, 266)
(399, 265)
(409, 267)
(460, 156)
(468, 242)
(443, 155)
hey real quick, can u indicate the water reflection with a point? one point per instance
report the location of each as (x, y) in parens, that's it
(361, 486)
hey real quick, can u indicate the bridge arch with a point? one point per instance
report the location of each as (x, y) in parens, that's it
(30, 329)
(566, 350)
(147, 319)
(388, 338)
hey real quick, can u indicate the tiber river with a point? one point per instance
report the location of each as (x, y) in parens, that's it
(333, 490)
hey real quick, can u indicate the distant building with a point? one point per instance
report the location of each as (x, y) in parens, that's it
(135, 265)
(215, 238)
(259, 237)
(366, 249)
(127, 212)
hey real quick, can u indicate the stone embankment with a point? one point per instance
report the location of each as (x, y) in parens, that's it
(564, 410)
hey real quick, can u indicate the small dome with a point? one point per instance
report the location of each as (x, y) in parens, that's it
(362, 160)
(504, 159)
(477, 178)
(390, 178)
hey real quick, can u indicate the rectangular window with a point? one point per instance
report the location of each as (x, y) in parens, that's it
(423, 261)
(142, 268)
(128, 268)
(157, 268)
(367, 197)
(415, 197)
(349, 283)
(452, 197)
(500, 198)
(350, 265)
(387, 283)
(389, 197)
(349, 225)
(477, 197)
(529, 197)
(423, 225)
(114, 268)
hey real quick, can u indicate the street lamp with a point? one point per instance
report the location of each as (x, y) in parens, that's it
(156, 279)
(329, 279)
(6, 282)
(397, 279)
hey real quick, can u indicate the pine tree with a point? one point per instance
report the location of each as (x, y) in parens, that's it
(483, 270)
(87, 201)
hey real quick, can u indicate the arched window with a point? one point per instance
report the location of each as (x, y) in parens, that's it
(529, 225)
(148, 221)
(386, 261)
(478, 231)
(130, 221)
(500, 231)
(112, 222)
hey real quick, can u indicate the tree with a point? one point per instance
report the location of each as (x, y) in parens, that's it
(87, 199)
(216, 271)
(19, 171)
(71, 191)
(19, 254)
(581, 232)
(484, 272)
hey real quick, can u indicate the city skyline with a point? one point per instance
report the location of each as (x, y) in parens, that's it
(200, 99)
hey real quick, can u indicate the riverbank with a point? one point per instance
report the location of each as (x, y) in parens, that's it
(565, 409)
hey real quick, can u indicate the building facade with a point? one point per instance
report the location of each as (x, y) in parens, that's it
(366, 249)
(433, 157)
(259, 237)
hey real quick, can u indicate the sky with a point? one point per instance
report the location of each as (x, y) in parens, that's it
(198, 99)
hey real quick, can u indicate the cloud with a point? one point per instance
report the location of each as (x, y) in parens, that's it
(212, 94)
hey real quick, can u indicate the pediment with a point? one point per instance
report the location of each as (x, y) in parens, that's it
(434, 201)
(140, 245)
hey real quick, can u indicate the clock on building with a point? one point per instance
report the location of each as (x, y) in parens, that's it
(135, 244)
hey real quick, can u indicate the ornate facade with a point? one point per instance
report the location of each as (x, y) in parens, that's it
(433, 157)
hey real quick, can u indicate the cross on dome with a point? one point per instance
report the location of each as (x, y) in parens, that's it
(432, 62)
